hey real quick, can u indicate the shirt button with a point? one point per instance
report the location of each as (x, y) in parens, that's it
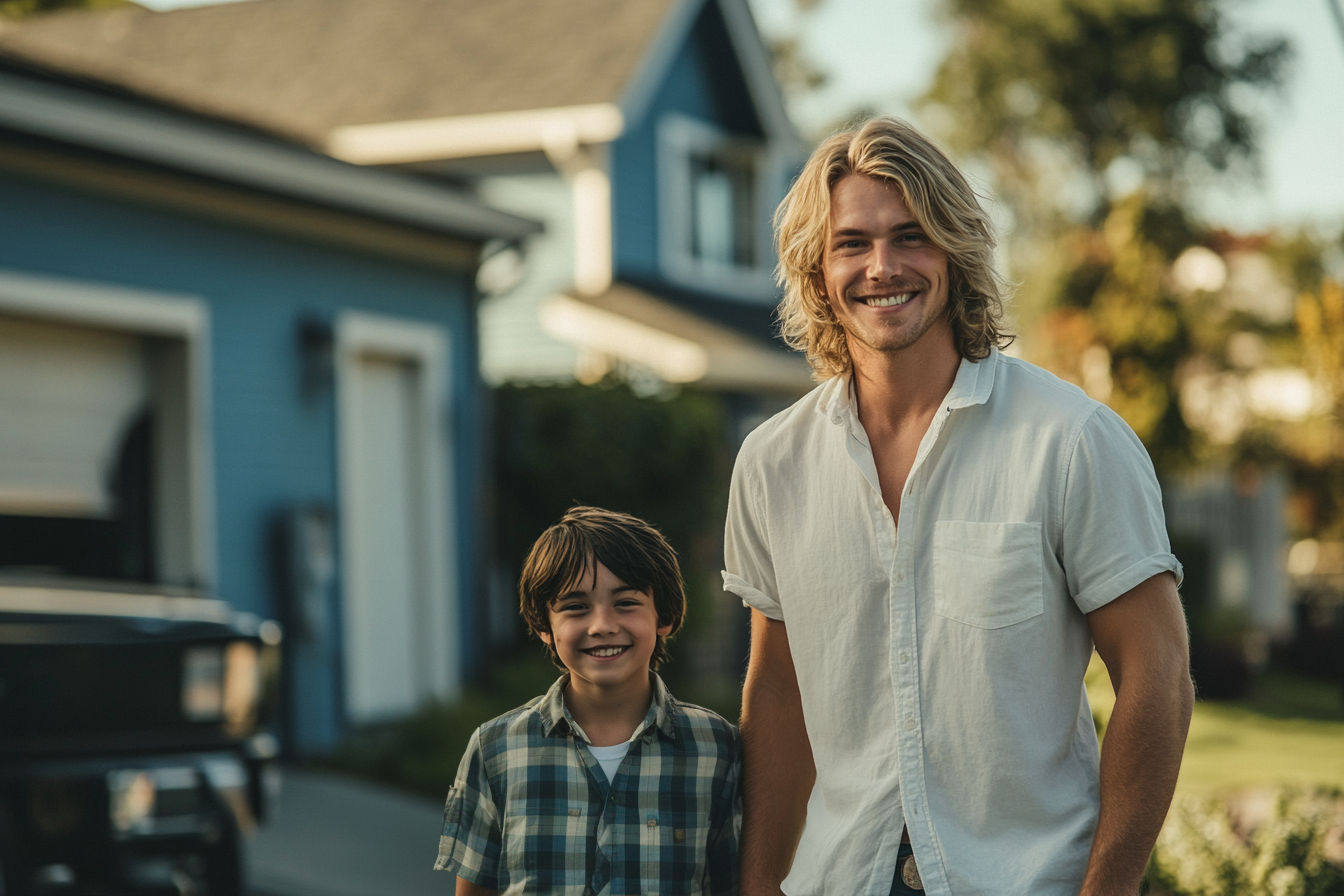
(909, 723)
(900, 575)
(905, 658)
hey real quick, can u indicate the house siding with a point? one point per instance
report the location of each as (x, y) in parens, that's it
(273, 448)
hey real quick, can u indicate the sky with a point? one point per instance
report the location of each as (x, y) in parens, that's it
(881, 54)
(1303, 141)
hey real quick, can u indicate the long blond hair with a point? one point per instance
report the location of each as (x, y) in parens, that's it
(939, 198)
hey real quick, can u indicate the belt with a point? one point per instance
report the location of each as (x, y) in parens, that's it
(910, 874)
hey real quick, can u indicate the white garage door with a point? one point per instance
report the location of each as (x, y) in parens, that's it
(67, 396)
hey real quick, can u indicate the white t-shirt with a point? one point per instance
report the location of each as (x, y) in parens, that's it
(610, 758)
(940, 656)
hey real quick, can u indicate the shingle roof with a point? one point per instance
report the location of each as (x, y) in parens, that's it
(303, 67)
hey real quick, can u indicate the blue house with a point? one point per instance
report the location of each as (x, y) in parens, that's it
(649, 136)
(235, 369)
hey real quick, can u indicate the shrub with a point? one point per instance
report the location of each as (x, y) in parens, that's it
(1286, 843)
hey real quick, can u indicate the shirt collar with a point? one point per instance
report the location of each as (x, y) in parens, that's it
(973, 384)
(557, 722)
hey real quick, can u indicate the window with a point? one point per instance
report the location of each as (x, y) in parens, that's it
(723, 209)
(74, 451)
(101, 473)
(715, 198)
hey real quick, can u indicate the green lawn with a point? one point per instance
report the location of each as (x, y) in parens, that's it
(1289, 731)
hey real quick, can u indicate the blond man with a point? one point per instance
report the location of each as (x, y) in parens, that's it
(931, 542)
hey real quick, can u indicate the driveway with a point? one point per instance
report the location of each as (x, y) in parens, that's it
(338, 836)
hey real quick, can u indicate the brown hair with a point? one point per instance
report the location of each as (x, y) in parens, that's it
(635, 552)
(939, 198)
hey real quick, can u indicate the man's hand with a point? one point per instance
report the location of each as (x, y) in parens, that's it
(777, 769)
(1142, 638)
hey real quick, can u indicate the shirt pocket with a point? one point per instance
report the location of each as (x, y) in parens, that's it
(546, 843)
(988, 575)
(671, 853)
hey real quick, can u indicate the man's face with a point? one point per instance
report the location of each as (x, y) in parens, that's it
(884, 278)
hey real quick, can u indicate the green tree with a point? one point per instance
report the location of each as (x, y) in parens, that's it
(1158, 86)
(22, 9)
(1096, 121)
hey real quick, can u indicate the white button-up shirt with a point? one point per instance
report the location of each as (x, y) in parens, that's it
(940, 655)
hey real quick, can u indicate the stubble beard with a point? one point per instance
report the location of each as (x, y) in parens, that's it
(893, 340)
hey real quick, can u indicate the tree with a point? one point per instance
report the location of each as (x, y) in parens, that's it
(22, 9)
(1096, 120)
(1155, 86)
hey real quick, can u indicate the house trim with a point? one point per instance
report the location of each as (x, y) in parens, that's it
(425, 345)
(186, 501)
(273, 215)
(206, 148)
(556, 131)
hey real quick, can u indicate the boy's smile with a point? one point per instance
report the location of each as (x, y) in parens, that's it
(605, 631)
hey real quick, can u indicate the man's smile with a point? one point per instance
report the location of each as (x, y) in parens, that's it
(886, 301)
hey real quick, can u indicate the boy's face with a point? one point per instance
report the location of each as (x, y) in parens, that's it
(604, 630)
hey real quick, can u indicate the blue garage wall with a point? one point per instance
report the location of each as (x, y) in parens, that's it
(272, 448)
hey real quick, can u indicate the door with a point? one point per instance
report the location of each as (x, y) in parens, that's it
(397, 607)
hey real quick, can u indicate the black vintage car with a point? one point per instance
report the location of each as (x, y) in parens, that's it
(134, 741)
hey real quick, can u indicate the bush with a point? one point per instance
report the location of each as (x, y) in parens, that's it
(1289, 843)
(421, 752)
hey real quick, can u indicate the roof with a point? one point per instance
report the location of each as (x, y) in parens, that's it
(170, 139)
(680, 346)
(306, 69)
(303, 67)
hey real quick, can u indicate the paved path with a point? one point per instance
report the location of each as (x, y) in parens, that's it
(337, 836)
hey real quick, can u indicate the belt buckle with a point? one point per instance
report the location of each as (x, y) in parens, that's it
(910, 874)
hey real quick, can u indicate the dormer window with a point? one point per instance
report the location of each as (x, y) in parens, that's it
(723, 216)
(716, 194)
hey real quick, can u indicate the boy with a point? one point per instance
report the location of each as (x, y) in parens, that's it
(606, 784)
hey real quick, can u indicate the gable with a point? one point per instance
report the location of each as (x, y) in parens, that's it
(706, 80)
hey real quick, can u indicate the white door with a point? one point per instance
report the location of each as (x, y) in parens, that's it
(385, 590)
(397, 607)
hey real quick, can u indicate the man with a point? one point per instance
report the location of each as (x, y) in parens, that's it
(931, 543)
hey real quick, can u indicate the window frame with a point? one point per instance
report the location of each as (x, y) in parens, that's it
(180, 389)
(680, 139)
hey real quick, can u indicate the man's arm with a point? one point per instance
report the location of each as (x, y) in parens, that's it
(777, 769)
(1141, 637)
(467, 888)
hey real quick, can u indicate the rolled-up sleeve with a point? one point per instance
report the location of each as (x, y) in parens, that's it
(749, 572)
(469, 845)
(1113, 534)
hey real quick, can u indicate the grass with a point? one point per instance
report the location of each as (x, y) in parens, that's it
(1289, 731)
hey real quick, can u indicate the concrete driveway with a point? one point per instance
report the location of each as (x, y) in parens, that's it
(338, 836)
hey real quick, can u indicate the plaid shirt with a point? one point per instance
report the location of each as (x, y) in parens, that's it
(532, 811)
